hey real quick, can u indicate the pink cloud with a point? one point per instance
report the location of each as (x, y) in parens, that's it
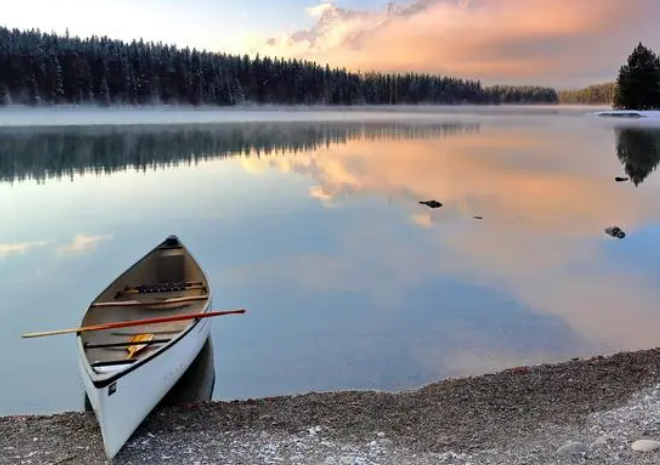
(506, 41)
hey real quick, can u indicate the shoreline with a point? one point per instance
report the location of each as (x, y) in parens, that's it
(498, 416)
(87, 115)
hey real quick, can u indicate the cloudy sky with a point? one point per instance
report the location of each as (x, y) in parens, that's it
(563, 43)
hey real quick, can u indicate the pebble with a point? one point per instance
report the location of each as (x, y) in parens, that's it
(573, 448)
(645, 445)
(526, 436)
(600, 442)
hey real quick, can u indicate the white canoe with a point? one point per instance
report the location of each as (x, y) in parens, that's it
(123, 388)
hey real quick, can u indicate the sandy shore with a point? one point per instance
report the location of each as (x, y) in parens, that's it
(515, 416)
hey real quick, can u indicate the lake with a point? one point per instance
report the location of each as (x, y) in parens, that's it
(314, 226)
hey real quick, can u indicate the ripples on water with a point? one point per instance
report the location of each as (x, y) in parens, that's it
(316, 229)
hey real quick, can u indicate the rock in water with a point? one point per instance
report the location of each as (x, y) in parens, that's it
(615, 231)
(645, 445)
(573, 449)
(431, 203)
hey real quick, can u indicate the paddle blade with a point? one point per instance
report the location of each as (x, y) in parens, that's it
(134, 349)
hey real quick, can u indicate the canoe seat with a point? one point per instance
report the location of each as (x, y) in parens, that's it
(165, 287)
(111, 365)
(111, 368)
(112, 362)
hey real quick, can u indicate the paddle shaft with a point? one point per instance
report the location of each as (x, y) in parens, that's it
(126, 324)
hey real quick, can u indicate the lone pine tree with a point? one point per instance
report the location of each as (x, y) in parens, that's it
(638, 84)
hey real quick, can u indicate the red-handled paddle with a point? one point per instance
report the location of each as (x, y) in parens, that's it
(126, 324)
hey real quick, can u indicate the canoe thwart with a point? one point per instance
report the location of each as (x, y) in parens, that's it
(140, 303)
(125, 344)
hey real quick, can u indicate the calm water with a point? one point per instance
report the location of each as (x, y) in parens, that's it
(316, 229)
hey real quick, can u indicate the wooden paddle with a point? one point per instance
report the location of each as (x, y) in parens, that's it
(126, 324)
(135, 348)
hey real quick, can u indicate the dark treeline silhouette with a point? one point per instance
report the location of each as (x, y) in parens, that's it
(638, 83)
(520, 94)
(590, 95)
(42, 69)
(638, 149)
(46, 153)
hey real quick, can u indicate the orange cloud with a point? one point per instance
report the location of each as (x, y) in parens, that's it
(530, 41)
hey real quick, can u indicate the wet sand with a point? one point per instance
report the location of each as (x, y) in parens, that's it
(522, 411)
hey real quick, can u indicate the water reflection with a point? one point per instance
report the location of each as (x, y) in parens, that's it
(316, 229)
(639, 151)
(541, 242)
(54, 152)
(195, 385)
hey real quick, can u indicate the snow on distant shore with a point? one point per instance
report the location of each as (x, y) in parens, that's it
(629, 114)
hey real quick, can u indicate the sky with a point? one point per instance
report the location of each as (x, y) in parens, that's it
(562, 43)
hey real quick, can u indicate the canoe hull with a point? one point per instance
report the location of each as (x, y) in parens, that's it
(165, 282)
(135, 394)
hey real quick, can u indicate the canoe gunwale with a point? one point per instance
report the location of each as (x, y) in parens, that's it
(102, 380)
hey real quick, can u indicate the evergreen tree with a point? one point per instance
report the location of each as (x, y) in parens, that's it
(638, 84)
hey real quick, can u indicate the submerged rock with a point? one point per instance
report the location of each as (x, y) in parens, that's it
(645, 445)
(615, 231)
(621, 179)
(431, 203)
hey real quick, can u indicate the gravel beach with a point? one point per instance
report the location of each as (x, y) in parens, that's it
(605, 410)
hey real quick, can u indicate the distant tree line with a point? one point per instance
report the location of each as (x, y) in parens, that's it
(56, 152)
(590, 95)
(500, 94)
(43, 68)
